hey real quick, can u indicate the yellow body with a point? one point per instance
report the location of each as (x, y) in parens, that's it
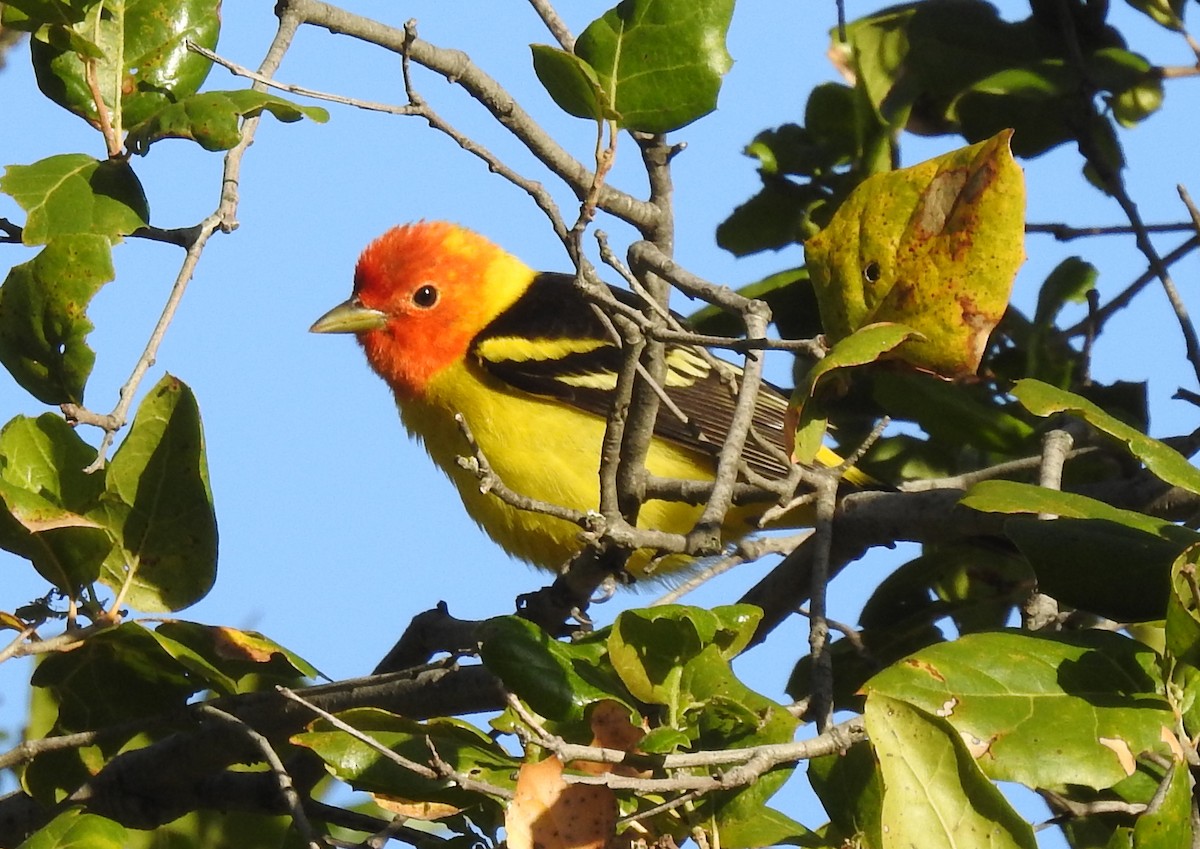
(558, 463)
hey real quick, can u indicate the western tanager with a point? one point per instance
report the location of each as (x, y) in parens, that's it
(454, 324)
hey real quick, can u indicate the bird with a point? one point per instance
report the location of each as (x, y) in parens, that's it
(457, 326)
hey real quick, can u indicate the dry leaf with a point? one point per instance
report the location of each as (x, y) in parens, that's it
(611, 729)
(548, 813)
(417, 810)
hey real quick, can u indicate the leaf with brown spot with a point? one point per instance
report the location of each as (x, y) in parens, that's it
(935, 247)
(548, 813)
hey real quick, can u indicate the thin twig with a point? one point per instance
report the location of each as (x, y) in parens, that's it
(457, 67)
(558, 28)
(478, 465)
(242, 71)
(419, 106)
(1066, 233)
(1096, 320)
(223, 219)
(698, 579)
(286, 788)
(423, 770)
(1114, 184)
(821, 703)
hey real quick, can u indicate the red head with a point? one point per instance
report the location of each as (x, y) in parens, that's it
(421, 294)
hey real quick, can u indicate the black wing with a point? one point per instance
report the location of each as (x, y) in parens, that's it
(576, 362)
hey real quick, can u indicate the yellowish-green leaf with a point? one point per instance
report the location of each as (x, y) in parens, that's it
(934, 794)
(935, 247)
(806, 422)
(1042, 399)
(1014, 497)
(73, 829)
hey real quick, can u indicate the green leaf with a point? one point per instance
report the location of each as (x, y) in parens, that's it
(736, 626)
(47, 494)
(1169, 824)
(1182, 629)
(572, 83)
(218, 828)
(241, 659)
(649, 649)
(1041, 399)
(743, 825)
(1098, 565)
(545, 673)
(43, 320)
(73, 829)
(850, 787)
(1167, 13)
(159, 505)
(807, 422)
(1001, 692)
(1069, 282)
(1135, 85)
(1032, 100)
(52, 21)
(1093, 556)
(114, 677)
(997, 496)
(463, 747)
(143, 63)
(951, 413)
(934, 793)
(659, 62)
(214, 119)
(73, 194)
(781, 214)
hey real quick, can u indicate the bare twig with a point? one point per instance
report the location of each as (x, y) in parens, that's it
(1096, 319)
(440, 771)
(457, 67)
(556, 25)
(698, 579)
(1040, 611)
(268, 82)
(417, 105)
(12, 232)
(1114, 184)
(821, 702)
(1065, 232)
(287, 789)
(491, 482)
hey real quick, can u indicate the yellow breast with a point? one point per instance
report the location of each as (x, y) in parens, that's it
(542, 449)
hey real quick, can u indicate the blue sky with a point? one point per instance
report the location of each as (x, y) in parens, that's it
(335, 529)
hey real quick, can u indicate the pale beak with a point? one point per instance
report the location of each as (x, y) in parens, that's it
(349, 317)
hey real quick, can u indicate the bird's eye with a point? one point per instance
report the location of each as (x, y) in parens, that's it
(872, 272)
(425, 297)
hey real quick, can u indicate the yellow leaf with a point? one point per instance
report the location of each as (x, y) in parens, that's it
(417, 810)
(935, 247)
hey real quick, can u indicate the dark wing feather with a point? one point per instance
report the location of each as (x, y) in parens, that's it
(581, 361)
